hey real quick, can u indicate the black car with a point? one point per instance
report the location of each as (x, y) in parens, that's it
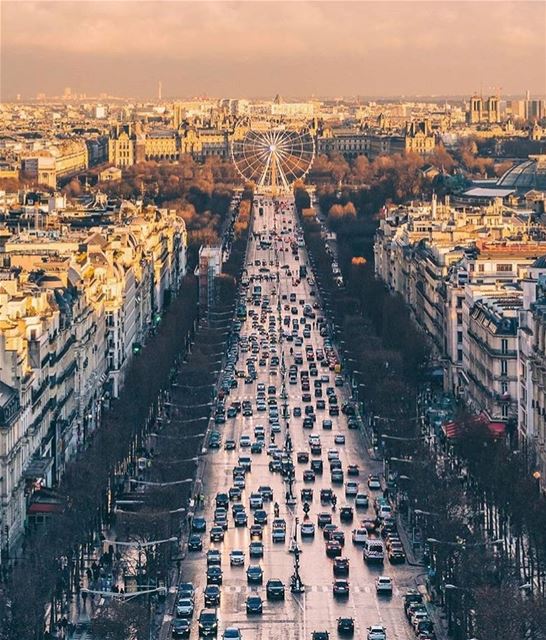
(222, 500)
(199, 525)
(208, 622)
(341, 566)
(181, 628)
(317, 466)
(214, 575)
(326, 496)
(254, 574)
(212, 595)
(275, 590)
(320, 635)
(345, 626)
(303, 457)
(254, 605)
(346, 514)
(195, 542)
(340, 589)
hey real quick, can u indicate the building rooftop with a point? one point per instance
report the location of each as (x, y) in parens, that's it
(529, 174)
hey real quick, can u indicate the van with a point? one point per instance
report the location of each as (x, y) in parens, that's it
(374, 551)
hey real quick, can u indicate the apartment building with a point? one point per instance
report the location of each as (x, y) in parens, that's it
(75, 305)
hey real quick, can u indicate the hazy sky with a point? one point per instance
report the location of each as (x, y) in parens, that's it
(263, 48)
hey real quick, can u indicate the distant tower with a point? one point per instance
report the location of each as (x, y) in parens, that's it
(527, 95)
(159, 87)
(474, 115)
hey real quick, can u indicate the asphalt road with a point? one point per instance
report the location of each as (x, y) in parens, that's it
(316, 609)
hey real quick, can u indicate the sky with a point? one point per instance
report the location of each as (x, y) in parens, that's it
(258, 49)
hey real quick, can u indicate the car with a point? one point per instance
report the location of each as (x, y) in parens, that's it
(353, 470)
(306, 494)
(376, 632)
(222, 500)
(309, 475)
(339, 439)
(346, 514)
(383, 585)
(374, 483)
(184, 608)
(320, 635)
(186, 590)
(260, 516)
(359, 536)
(316, 465)
(336, 476)
(361, 501)
(181, 628)
(256, 447)
(232, 633)
(208, 622)
(256, 549)
(212, 594)
(326, 496)
(240, 519)
(254, 574)
(297, 412)
(274, 589)
(244, 440)
(340, 589)
(214, 575)
(324, 519)
(396, 554)
(256, 501)
(214, 557)
(370, 524)
(307, 530)
(239, 482)
(236, 558)
(351, 489)
(234, 493)
(328, 529)
(341, 566)
(333, 549)
(256, 532)
(254, 605)
(195, 542)
(327, 425)
(345, 626)
(333, 454)
(302, 457)
(198, 525)
(338, 536)
(229, 445)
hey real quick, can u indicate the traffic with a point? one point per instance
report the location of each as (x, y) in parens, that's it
(296, 538)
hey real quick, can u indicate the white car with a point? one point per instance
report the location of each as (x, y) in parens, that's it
(184, 608)
(385, 511)
(339, 439)
(360, 536)
(239, 482)
(244, 441)
(361, 501)
(351, 489)
(377, 632)
(374, 482)
(307, 530)
(314, 439)
(256, 501)
(333, 454)
(383, 585)
(236, 558)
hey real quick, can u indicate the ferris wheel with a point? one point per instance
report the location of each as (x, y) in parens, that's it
(275, 157)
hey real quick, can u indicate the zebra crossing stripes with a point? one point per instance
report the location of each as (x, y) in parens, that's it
(315, 588)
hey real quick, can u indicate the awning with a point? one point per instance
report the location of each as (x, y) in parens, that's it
(38, 468)
(45, 507)
(455, 429)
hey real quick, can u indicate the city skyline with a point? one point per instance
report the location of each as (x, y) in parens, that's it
(258, 49)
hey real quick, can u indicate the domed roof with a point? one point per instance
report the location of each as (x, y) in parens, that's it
(539, 263)
(529, 174)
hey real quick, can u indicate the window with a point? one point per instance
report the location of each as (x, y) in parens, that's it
(504, 345)
(459, 337)
(504, 387)
(460, 300)
(504, 410)
(504, 368)
(459, 318)
(459, 355)
(481, 268)
(504, 267)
